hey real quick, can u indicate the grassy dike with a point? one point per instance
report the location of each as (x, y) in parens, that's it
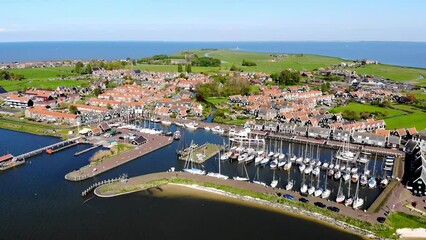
(35, 127)
(387, 230)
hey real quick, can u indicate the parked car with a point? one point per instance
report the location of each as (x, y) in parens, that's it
(381, 219)
(319, 204)
(334, 209)
(288, 196)
(304, 200)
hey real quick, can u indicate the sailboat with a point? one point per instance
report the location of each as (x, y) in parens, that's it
(372, 181)
(311, 189)
(274, 182)
(358, 202)
(290, 183)
(349, 200)
(304, 187)
(218, 175)
(319, 190)
(340, 196)
(257, 178)
(243, 170)
(190, 167)
(326, 193)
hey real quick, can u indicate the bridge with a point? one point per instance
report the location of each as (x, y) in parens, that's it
(62, 144)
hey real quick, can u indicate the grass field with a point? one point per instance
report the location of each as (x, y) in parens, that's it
(395, 73)
(34, 127)
(266, 63)
(360, 108)
(216, 100)
(402, 220)
(43, 73)
(40, 83)
(174, 68)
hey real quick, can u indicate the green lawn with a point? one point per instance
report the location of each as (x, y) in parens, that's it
(395, 73)
(360, 108)
(402, 220)
(40, 83)
(43, 73)
(216, 100)
(174, 68)
(417, 120)
(266, 63)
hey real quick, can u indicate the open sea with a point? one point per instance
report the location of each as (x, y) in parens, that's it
(411, 54)
(36, 202)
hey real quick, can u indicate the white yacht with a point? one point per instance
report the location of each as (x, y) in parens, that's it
(304, 188)
(289, 186)
(311, 190)
(274, 183)
(326, 193)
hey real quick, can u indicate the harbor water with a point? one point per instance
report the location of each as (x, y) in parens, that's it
(38, 203)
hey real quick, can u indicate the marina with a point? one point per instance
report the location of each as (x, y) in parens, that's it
(201, 153)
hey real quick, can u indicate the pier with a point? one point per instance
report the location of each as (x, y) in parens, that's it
(87, 150)
(57, 146)
(95, 185)
(336, 145)
(202, 153)
(153, 143)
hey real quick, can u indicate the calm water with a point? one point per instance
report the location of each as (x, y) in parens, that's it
(38, 203)
(398, 53)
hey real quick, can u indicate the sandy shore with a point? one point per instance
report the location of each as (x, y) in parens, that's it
(412, 234)
(173, 189)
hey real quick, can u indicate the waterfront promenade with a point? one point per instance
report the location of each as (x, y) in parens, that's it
(396, 201)
(153, 143)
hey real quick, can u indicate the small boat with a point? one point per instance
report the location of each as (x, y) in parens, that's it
(225, 156)
(195, 171)
(293, 159)
(192, 125)
(330, 173)
(337, 175)
(304, 188)
(281, 164)
(331, 166)
(264, 161)
(166, 123)
(207, 128)
(302, 167)
(318, 192)
(241, 179)
(326, 193)
(318, 163)
(276, 155)
(325, 165)
(242, 158)
(257, 160)
(311, 190)
(357, 203)
(308, 169)
(306, 160)
(274, 183)
(346, 177)
(349, 201)
(281, 156)
(384, 182)
(354, 170)
(299, 160)
(260, 183)
(372, 182)
(355, 177)
(287, 166)
(270, 154)
(179, 124)
(289, 186)
(363, 180)
(249, 159)
(316, 171)
(273, 164)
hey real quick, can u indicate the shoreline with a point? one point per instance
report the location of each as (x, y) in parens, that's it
(288, 210)
(245, 192)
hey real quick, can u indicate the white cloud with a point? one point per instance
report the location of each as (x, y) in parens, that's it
(2, 30)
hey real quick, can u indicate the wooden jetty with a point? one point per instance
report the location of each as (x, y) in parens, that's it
(52, 146)
(336, 144)
(201, 153)
(87, 149)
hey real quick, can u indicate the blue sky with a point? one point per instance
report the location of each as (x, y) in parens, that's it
(219, 20)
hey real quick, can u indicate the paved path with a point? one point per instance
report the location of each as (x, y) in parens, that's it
(394, 199)
(154, 142)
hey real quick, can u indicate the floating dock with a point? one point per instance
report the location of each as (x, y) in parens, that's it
(202, 153)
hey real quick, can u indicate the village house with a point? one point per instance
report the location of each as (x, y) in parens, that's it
(43, 114)
(17, 101)
(40, 95)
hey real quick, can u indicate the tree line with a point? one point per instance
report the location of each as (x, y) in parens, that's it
(6, 75)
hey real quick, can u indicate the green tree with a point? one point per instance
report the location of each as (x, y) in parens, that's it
(180, 69)
(97, 91)
(73, 109)
(286, 77)
(325, 87)
(78, 67)
(188, 68)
